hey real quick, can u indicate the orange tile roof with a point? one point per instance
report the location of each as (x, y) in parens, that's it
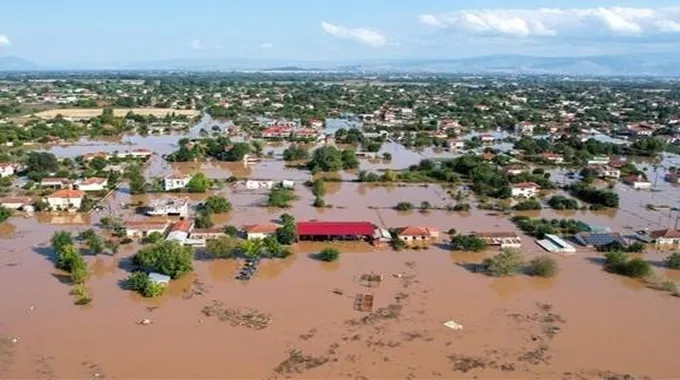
(261, 228)
(416, 231)
(67, 193)
(525, 185)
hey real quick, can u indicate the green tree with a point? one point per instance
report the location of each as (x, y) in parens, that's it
(295, 152)
(252, 248)
(204, 220)
(152, 238)
(95, 244)
(673, 261)
(140, 282)
(199, 183)
(79, 272)
(61, 239)
(167, 257)
(328, 254)
(543, 266)
(404, 206)
(468, 243)
(237, 152)
(506, 263)
(326, 159)
(216, 204)
(224, 247)
(5, 213)
(280, 197)
(273, 248)
(42, 162)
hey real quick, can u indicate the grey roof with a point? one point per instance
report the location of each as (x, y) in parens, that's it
(598, 240)
(158, 278)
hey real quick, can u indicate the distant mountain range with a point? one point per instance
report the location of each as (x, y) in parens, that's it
(623, 65)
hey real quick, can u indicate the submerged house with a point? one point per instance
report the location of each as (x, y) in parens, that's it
(525, 189)
(15, 203)
(555, 244)
(136, 229)
(56, 183)
(599, 239)
(260, 231)
(638, 182)
(329, 231)
(169, 207)
(666, 238)
(500, 239)
(176, 181)
(65, 199)
(92, 184)
(418, 236)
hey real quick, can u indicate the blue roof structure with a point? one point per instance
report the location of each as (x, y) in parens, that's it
(599, 240)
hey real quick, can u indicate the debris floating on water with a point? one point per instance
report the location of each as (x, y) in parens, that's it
(453, 325)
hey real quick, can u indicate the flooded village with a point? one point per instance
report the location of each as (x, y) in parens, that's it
(339, 227)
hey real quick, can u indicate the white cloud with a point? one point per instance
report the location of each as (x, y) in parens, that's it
(4, 40)
(363, 35)
(564, 22)
(197, 45)
(266, 45)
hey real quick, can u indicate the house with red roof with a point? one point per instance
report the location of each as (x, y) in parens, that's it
(260, 231)
(525, 189)
(418, 236)
(553, 157)
(135, 229)
(92, 184)
(666, 238)
(55, 182)
(277, 131)
(65, 199)
(328, 231)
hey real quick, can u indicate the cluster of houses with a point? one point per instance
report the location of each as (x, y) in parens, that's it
(136, 153)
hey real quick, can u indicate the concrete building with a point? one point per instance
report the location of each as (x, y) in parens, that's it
(260, 231)
(65, 199)
(169, 207)
(666, 238)
(92, 184)
(8, 169)
(418, 236)
(176, 181)
(524, 190)
(141, 229)
(15, 203)
(55, 183)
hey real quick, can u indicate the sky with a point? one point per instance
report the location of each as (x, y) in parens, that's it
(70, 31)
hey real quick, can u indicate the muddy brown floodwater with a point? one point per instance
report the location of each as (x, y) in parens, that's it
(296, 319)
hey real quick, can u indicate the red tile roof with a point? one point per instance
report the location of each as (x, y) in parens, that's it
(182, 225)
(67, 193)
(145, 225)
(416, 231)
(313, 228)
(525, 185)
(667, 233)
(261, 228)
(93, 181)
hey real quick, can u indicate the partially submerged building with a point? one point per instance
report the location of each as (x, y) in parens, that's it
(417, 235)
(15, 203)
(260, 231)
(139, 229)
(500, 239)
(329, 231)
(176, 181)
(555, 244)
(65, 199)
(599, 239)
(666, 238)
(169, 207)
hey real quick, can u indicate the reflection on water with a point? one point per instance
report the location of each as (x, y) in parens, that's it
(224, 269)
(272, 268)
(507, 286)
(62, 218)
(7, 230)
(539, 283)
(330, 267)
(104, 266)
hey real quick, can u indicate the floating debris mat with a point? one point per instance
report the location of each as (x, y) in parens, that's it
(363, 302)
(371, 280)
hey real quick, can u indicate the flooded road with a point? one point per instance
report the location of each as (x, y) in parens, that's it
(584, 321)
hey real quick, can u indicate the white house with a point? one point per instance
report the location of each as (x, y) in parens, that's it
(54, 182)
(553, 157)
(176, 181)
(7, 169)
(667, 238)
(169, 207)
(638, 182)
(92, 184)
(257, 185)
(141, 228)
(456, 144)
(599, 160)
(525, 189)
(608, 172)
(260, 231)
(65, 199)
(15, 203)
